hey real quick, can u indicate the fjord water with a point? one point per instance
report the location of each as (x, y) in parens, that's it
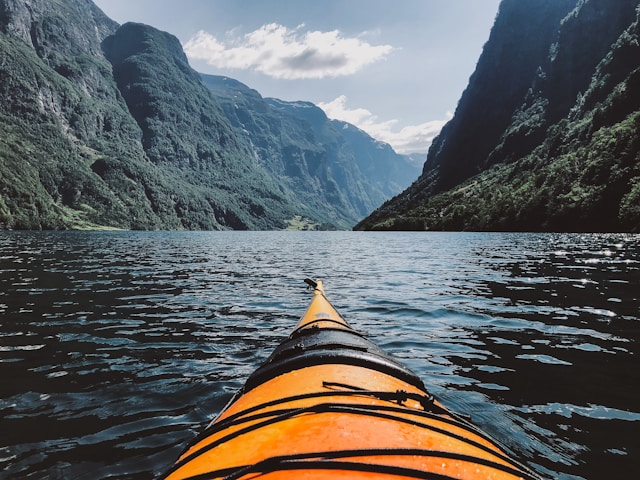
(117, 348)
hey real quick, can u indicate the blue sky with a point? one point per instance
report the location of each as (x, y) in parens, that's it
(395, 68)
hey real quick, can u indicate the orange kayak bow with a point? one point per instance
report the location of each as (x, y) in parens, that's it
(328, 403)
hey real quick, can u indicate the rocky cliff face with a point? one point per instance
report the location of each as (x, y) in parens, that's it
(518, 45)
(60, 112)
(584, 38)
(104, 125)
(545, 136)
(56, 28)
(296, 142)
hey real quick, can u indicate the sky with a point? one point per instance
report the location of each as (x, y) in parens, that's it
(394, 68)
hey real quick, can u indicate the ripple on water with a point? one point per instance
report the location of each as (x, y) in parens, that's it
(134, 340)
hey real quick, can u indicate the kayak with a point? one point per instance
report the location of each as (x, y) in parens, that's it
(329, 403)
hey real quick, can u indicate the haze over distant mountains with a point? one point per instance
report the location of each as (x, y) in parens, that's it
(104, 125)
(546, 135)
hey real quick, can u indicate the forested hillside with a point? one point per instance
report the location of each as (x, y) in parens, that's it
(546, 135)
(332, 166)
(107, 126)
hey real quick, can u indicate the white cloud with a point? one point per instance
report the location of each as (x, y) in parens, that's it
(284, 53)
(409, 139)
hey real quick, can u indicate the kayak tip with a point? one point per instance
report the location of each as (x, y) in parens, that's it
(317, 285)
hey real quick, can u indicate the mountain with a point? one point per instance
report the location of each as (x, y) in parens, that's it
(545, 137)
(107, 126)
(333, 166)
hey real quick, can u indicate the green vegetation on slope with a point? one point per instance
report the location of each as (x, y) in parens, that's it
(331, 167)
(105, 126)
(587, 186)
(565, 162)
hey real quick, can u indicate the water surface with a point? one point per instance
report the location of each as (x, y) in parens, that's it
(117, 348)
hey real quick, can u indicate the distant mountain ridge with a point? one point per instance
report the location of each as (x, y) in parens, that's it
(295, 141)
(545, 137)
(107, 126)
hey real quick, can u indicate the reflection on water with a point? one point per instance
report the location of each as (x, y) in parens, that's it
(117, 348)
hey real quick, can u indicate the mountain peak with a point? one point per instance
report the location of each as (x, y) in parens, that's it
(137, 38)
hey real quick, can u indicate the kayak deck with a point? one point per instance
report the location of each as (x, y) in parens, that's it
(328, 403)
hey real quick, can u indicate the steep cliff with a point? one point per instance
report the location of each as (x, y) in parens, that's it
(186, 135)
(108, 126)
(545, 137)
(332, 166)
(60, 113)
